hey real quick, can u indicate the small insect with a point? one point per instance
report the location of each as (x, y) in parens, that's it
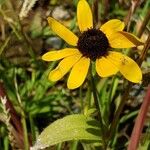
(124, 61)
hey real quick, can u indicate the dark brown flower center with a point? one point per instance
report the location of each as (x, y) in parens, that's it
(93, 44)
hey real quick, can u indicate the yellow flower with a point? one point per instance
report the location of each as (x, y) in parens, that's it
(93, 45)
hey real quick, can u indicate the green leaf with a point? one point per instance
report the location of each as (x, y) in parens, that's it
(145, 146)
(72, 127)
(2, 1)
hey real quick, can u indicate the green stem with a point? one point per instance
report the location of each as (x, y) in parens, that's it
(25, 132)
(32, 126)
(81, 99)
(88, 95)
(6, 143)
(74, 145)
(23, 120)
(58, 146)
(97, 104)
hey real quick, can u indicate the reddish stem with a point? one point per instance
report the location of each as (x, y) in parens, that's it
(139, 123)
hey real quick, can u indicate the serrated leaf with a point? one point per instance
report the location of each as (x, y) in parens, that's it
(72, 127)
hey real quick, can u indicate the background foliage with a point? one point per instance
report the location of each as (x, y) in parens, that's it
(33, 102)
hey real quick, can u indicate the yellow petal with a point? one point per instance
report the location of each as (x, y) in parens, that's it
(84, 15)
(63, 67)
(112, 26)
(78, 73)
(123, 40)
(59, 54)
(62, 31)
(105, 68)
(127, 67)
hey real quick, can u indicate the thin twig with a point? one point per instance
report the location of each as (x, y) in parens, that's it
(144, 23)
(134, 5)
(106, 6)
(144, 51)
(95, 13)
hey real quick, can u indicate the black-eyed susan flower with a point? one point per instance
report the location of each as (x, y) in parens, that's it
(93, 45)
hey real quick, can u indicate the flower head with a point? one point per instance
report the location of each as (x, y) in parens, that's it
(93, 45)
